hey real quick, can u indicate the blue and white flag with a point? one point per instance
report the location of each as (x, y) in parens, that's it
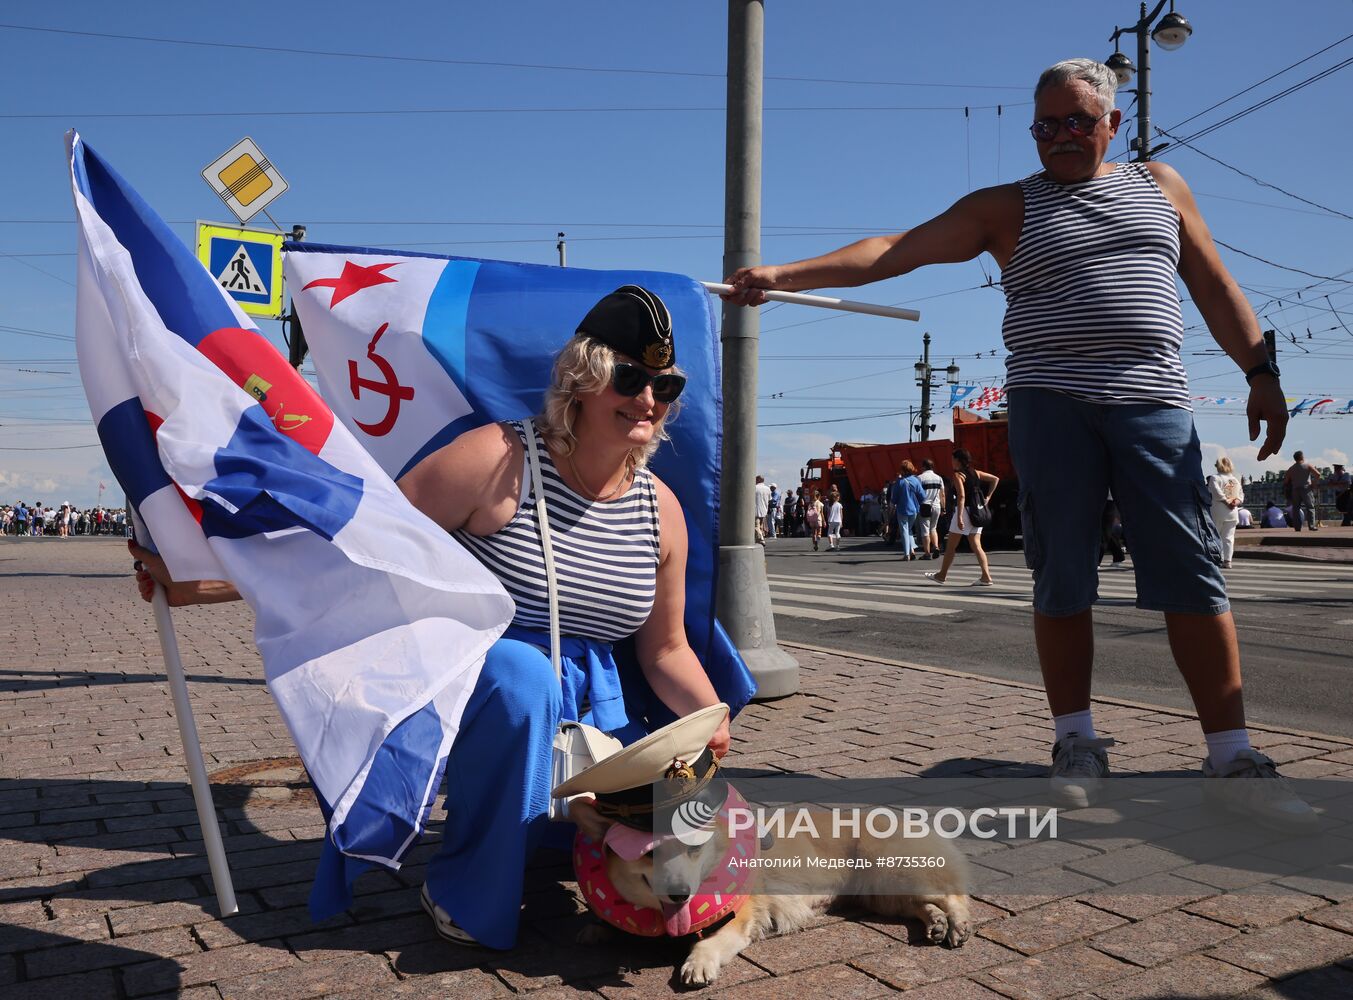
(372, 622)
(415, 349)
(958, 393)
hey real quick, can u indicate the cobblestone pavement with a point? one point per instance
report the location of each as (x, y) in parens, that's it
(104, 891)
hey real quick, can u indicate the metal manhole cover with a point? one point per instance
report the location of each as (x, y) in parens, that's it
(279, 781)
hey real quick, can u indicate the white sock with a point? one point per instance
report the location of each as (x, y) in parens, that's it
(1079, 723)
(1225, 746)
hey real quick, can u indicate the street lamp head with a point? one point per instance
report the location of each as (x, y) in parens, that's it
(1172, 31)
(951, 374)
(1122, 68)
(921, 369)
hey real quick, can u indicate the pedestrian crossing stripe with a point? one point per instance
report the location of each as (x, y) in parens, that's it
(246, 263)
(817, 614)
(1013, 590)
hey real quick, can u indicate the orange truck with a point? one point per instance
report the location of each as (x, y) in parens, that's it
(857, 469)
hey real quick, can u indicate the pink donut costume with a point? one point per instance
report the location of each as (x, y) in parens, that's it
(720, 894)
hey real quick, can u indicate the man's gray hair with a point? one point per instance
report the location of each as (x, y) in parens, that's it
(1096, 74)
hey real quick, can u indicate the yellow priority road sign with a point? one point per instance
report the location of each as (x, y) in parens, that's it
(247, 263)
(244, 179)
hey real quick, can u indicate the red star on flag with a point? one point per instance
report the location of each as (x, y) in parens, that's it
(353, 279)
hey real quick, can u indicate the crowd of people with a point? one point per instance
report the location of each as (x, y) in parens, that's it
(36, 520)
(800, 513)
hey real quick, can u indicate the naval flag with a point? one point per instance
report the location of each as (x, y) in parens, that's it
(414, 349)
(372, 622)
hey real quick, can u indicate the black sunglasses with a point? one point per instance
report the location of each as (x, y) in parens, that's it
(630, 380)
(1045, 129)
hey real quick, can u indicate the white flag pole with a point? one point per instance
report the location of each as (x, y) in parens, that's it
(192, 752)
(192, 745)
(824, 302)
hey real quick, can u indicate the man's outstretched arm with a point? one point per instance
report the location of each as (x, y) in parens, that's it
(969, 227)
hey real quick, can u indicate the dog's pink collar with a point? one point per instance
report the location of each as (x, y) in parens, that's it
(720, 895)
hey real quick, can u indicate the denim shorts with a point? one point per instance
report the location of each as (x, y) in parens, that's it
(1069, 454)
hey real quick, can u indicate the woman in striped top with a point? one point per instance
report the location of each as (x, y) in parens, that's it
(620, 557)
(619, 541)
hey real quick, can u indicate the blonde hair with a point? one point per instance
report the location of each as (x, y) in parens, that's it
(585, 366)
(1224, 466)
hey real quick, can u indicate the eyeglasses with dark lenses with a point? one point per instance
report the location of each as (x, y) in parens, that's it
(630, 380)
(1045, 129)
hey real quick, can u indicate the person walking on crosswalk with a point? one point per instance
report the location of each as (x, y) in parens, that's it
(972, 490)
(1098, 396)
(813, 518)
(836, 514)
(928, 522)
(907, 496)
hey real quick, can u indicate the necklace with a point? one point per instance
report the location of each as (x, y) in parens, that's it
(598, 496)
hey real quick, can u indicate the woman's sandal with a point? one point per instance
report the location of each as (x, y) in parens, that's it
(447, 929)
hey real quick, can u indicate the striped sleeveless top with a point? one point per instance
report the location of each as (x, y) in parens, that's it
(605, 554)
(1091, 304)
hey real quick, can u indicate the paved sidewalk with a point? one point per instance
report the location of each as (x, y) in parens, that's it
(1330, 544)
(104, 892)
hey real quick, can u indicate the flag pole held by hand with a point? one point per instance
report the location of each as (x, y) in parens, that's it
(192, 748)
(823, 302)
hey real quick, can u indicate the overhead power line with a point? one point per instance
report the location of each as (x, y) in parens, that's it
(1271, 76)
(838, 420)
(433, 60)
(1281, 267)
(1261, 183)
(43, 334)
(397, 112)
(1209, 129)
(67, 447)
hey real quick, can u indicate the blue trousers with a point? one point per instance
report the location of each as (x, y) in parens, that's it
(1070, 454)
(498, 792)
(498, 782)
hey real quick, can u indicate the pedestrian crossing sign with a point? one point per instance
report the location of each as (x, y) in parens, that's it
(247, 263)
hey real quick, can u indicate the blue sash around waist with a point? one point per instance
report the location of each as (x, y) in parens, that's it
(589, 675)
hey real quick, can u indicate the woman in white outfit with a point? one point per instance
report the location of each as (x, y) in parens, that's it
(1227, 496)
(835, 516)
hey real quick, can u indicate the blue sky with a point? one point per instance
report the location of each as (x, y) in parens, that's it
(608, 125)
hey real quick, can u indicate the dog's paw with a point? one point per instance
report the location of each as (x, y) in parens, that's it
(959, 931)
(701, 967)
(936, 923)
(595, 933)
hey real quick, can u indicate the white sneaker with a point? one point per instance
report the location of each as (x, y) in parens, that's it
(1251, 786)
(447, 929)
(934, 578)
(1079, 765)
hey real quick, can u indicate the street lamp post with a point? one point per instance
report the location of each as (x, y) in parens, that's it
(1170, 33)
(925, 379)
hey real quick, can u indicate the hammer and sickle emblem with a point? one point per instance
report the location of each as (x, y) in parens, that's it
(390, 388)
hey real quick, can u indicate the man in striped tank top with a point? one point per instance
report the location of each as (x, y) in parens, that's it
(1088, 252)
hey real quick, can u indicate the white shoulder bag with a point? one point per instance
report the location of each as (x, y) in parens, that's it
(577, 746)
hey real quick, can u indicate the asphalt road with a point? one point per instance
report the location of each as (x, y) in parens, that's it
(1295, 622)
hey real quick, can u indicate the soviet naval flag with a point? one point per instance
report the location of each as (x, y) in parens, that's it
(414, 349)
(372, 622)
